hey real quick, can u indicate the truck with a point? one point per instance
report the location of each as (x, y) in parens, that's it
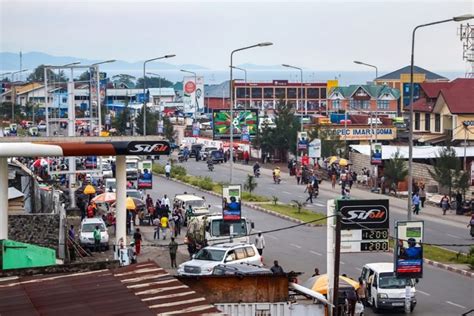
(215, 230)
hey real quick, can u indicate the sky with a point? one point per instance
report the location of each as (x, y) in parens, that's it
(323, 35)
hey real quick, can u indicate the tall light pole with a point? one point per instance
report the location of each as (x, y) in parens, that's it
(231, 143)
(99, 113)
(410, 120)
(14, 93)
(195, 87)
(297, 101)
(144, 86)
(375, 171)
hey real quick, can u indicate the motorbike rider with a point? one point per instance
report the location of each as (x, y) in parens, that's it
(210, 163)
(256, 169)
(276, 175)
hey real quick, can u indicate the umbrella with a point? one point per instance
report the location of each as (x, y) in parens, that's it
(331, 160)
(344, 162)
(89, 190)
(107, 197)
(133, 203)
(319, 283)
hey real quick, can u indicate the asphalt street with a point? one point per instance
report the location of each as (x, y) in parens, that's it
(303, 248)
(437, 230)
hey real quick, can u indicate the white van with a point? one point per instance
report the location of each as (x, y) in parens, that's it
(383, 289)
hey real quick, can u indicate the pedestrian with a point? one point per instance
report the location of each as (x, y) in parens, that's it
(309, 189)
(168, 170)
(471, 224)
(246, 157)
(276, 268)
(191, 245)
(458, 202)
(165, 201)
(173, 247)
(316, 272)
(97, 238)
(351, 297)
(137, 237)
(177, 223)
(72, 233)
(333, 180)
(260, 243)
(444, 204)
(422, 194)
(416, 203)
(299, 171)
(361, 292)
(171, 226)
(148, 201)
(164, 226)
(90, 211)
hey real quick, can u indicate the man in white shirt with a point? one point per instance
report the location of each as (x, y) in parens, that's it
(165, 201)
(168, 170)
(260, 243)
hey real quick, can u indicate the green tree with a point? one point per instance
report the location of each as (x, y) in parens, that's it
(395, 171)
(125, 79)
(462, 182)
(38, 75)
(151, 122)
(331, 144)
(168, 129)
(447, 169)
(154, 82)
(121, 120)
(250, 184)
(85, 76)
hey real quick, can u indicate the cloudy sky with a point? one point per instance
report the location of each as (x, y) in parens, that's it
(324, 35)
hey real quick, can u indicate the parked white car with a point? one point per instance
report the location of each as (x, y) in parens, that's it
(206, 259)
(86, 235)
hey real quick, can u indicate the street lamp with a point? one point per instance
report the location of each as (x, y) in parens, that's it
(375, 171)
(195, 96)
(144, 86)
(99, 112)
(297, 100)
(231, 143)
(410, 120)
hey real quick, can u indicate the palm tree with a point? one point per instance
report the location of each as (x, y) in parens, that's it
(395, 170)
(250, 183)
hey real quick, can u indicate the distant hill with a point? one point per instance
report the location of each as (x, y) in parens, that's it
(11, 61)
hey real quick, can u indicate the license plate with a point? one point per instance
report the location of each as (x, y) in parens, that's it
(398, 304)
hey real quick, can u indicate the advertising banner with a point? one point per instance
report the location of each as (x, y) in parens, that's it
(303, 141)
(93, 95)
(196, 129)
(376, 154)
(145, 177)
(314, 148)
(160, 126)
(409, 249)
(244, 122)
(231, 202)
(193, 94)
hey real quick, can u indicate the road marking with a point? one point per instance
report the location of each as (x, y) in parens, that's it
(286, 192)
(217, 205)
(358, 269)
(319, 204)
(454, 236)
(316, 253)
(297, 246)
(424, 293)
(272, 237)
(301, 196)
(457, 305)
(342, 262)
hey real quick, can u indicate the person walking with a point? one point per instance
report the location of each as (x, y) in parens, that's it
(164, 226)
(422, 194)
(361, 292)
(309, 189)
(316, 272)
(72, 233)
(97, 238)
(333, 180)
(260, 243)
(416, 203)
(298, 174)
(173, 247)
(137, 237)
(444, 204)
(276, 268)
(165, 201)
(168, 170)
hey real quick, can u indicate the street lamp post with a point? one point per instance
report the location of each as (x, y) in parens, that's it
(410, 120)
(297, 101)
(144, 87)
(231, 143)
(99, 113)
(195, 96)
(375, 171)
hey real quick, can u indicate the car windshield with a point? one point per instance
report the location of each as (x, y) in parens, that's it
(221, 228)
(89, 227)
(134, 194)
(111, 184)
(390, 281)
(210, 254)
(106, 166)
(132, 165)
(196, 203)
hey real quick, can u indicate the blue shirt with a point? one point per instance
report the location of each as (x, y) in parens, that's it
(416, 200)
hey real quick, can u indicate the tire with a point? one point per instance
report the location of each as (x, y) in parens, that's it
(412, 307)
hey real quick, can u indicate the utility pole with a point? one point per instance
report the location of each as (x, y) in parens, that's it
(337, 259)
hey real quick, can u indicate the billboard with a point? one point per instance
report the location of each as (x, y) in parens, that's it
(303, 141)
(376, 154)
(231, 202)
(245, 123)
(145, 176)
(314, 148)
(193, 94)
(409, 249)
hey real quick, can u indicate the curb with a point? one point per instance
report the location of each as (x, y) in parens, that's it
(449, 268)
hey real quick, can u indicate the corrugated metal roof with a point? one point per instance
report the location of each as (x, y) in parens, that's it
(140, 289)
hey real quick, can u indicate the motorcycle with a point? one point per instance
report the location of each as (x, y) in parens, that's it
(276, 179)
(210, 166)
(256, 173)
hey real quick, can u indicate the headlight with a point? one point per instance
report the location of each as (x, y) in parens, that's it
(382, 295)
(209, 269)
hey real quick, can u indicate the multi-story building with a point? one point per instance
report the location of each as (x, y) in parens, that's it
(379, 99)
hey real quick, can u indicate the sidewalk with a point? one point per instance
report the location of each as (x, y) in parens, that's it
(428, 212)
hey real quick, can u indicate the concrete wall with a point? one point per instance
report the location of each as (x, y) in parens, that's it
(37, 229)
(63, 268)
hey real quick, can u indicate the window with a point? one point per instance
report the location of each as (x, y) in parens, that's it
(268, 93)
(240, 253)
(383, 104)
(359, 104)
(291, 92)
(250, 251)
(417, 121)
(240, 93)
(257, 93)
(336, 104)
(427, 122)
(313, 93)
(437, 122)
(280, 93)
(302, 93)
(323, 93)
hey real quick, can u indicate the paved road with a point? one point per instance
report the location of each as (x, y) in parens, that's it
(437, 230)
(303, 248)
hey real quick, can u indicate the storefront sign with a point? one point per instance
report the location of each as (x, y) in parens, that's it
(359, 133)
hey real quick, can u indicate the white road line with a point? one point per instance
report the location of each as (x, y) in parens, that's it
(457, 305)
(316, 253)
(359, 269)
(424, 293)
(297, 246)
(286, 192)
(342, 262)
(319, 204)
(454, 236)
(272, 237)
(301, 196)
